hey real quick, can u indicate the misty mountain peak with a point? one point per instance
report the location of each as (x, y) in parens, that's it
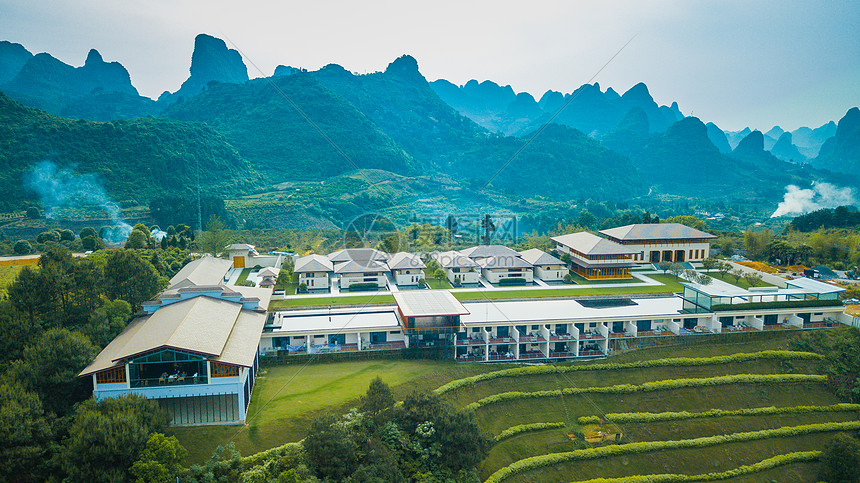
(212, 60)
(638, 93)
(404, 66)
(94, 58)
(752, 144)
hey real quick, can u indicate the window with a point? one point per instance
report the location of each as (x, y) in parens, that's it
(224, 370)
(111, 376)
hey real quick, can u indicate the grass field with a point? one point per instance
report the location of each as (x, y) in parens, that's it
(7, 276)
(495, 418)
(287, 398)
(738, 283)
(243, 276)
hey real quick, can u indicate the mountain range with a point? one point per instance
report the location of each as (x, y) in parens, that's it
(303, 126)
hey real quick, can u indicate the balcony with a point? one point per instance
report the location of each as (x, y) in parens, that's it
(169, 380)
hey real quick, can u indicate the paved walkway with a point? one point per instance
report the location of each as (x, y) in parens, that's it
(392, 284)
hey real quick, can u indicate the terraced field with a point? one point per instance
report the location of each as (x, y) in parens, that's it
(751, 416)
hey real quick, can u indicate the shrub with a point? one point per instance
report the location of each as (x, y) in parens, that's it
(715, 413)
(504, 282)
(770, 463)
(364, 286)
(524, 428)
(535, 462)
(678, 361)
(651, 386)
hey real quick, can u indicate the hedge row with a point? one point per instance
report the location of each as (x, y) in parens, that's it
(541, 461)
(715, 413)
(524, 428)
(650, 386)
(677, 361)
(272, 453)
(770, 463)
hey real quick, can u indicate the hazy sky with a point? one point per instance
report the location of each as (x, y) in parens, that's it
(736, 63)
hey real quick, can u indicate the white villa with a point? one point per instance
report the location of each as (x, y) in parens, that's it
(671, 242)
(546, 266)
(459, 268)
(406, 268)
(314, 271)
(245, 256)
(500, 264)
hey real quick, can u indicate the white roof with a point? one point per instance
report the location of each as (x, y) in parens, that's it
(402, 260)
(428, 303)
(544, 311)
(238, 247)
(357, 254)
(591, 244)
(316, 321)
(504, 261)
(453, 259)
(267, 272)
(203, 271)
(539, 257)
(366, 266)
(655, 231)
(814, 285)
(484, 251)
(313, 263)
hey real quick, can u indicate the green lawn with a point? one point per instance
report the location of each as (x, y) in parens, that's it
(7, 276)
(670, 285)
(436, 284)
(742, 283)
(287, 398)
(243, 276)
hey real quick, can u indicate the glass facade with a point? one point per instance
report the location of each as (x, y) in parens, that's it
(167, 367)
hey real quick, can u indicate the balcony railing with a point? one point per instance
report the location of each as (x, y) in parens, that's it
(170, 380)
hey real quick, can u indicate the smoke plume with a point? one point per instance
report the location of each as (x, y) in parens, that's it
(61, 188)
(798, 201)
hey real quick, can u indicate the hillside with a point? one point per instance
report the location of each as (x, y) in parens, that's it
(400, 101)
(98, 90)
(841, 153)
(588, 108)
(260, 118)
(137, 160)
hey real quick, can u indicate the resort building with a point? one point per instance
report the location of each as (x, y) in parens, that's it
(500, 265)
(194, 349)
(594, 257)
(314, 271)
(245, 256)
(554, 329)
(406, 268)
(460, 269)
(546, 266)
(267, 277)
(656, 242)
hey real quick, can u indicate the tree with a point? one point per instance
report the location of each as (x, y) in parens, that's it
(124, 424)
(704, 279)
(33, 213)
(67, 235)
(752, 278)
(710, 263)
(215, 238)
(489, 228)
(440, 274)
(160, 461)
(50, 368)
(48, 236)
(689, 220)
(378, 397)
(737, 274)
(137, 239)
(724, 268)
(131, 278)
(107, 321)
(331, 451)
(25, 432)
(22, 247)
(677, 269)
(88, 231)
(840, 460)
(665, 266)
